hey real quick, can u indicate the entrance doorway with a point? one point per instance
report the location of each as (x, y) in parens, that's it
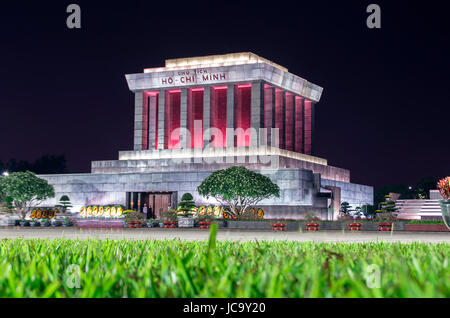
(157, 202)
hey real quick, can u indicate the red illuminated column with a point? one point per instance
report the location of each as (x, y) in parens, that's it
(229, 135)
(172, 119)
(218, 115)
(206, 116)
(195, 116)
(242, 114)
(298, 124)
(308, 127)
(279, 116)
(289, 121)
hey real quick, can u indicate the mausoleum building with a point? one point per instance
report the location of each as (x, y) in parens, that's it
(196, 115)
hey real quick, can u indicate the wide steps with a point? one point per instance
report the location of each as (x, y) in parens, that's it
(418, 209)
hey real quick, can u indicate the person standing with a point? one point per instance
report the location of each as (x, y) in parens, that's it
(145, 210)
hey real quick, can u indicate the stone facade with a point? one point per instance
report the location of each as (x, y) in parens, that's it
(267, 115)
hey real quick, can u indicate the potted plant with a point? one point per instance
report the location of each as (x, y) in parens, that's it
(444, 189)
(34, 222)
(67, 222)
(150, 222)
(64, 203)
(205, 221)
(312, 223)
(185, 208)
(45, 222)
(170, 219)
(354, 226)
(386, 215)
(278, 226)
(134, 219)
(385, 220)
(54, 222)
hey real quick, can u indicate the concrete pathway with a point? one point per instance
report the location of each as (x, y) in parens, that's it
(223, 234)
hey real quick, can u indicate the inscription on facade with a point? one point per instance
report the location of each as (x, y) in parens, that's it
(196, 76)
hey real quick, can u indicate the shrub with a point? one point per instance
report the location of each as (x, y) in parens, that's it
(64, 203)
(444, 188)
(186, 205)
(133, 216)
(170, 215)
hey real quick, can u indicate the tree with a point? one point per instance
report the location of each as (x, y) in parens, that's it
(186, 204)
(424, 186)
(238, 188)
(369, 210)
(46, 164)
(64, 203)
(25, 190)
(345, 208)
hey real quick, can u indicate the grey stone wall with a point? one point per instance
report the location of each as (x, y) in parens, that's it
(169, 165)
(355, 194)
(296, 188)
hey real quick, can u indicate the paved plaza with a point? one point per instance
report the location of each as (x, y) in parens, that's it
(223, 234)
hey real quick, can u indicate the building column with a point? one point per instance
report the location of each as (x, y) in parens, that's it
(161, 107)
(185, 140)
(283, 118)
(153, 120)
(138, 119)
(257, 114)
(206, 116)
(313, 115)
(230, 116)
(274, 139)
(299, 124)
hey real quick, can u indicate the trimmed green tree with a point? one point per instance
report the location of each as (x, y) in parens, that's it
(238, 188)
(186, 204)
(64, 203)
(25, 190)
(345, 208)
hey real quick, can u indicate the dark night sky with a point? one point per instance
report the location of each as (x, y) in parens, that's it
(384, 113)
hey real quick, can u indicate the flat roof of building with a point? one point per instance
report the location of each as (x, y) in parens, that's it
(221, 69)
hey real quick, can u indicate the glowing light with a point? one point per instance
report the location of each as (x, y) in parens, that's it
(213, 61)
(5, 174)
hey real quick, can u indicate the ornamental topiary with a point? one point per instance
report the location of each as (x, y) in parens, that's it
(187, 205)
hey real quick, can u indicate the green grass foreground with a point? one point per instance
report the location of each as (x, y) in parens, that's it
(173, 268)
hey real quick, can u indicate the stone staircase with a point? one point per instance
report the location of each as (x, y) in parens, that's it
(418, 209)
